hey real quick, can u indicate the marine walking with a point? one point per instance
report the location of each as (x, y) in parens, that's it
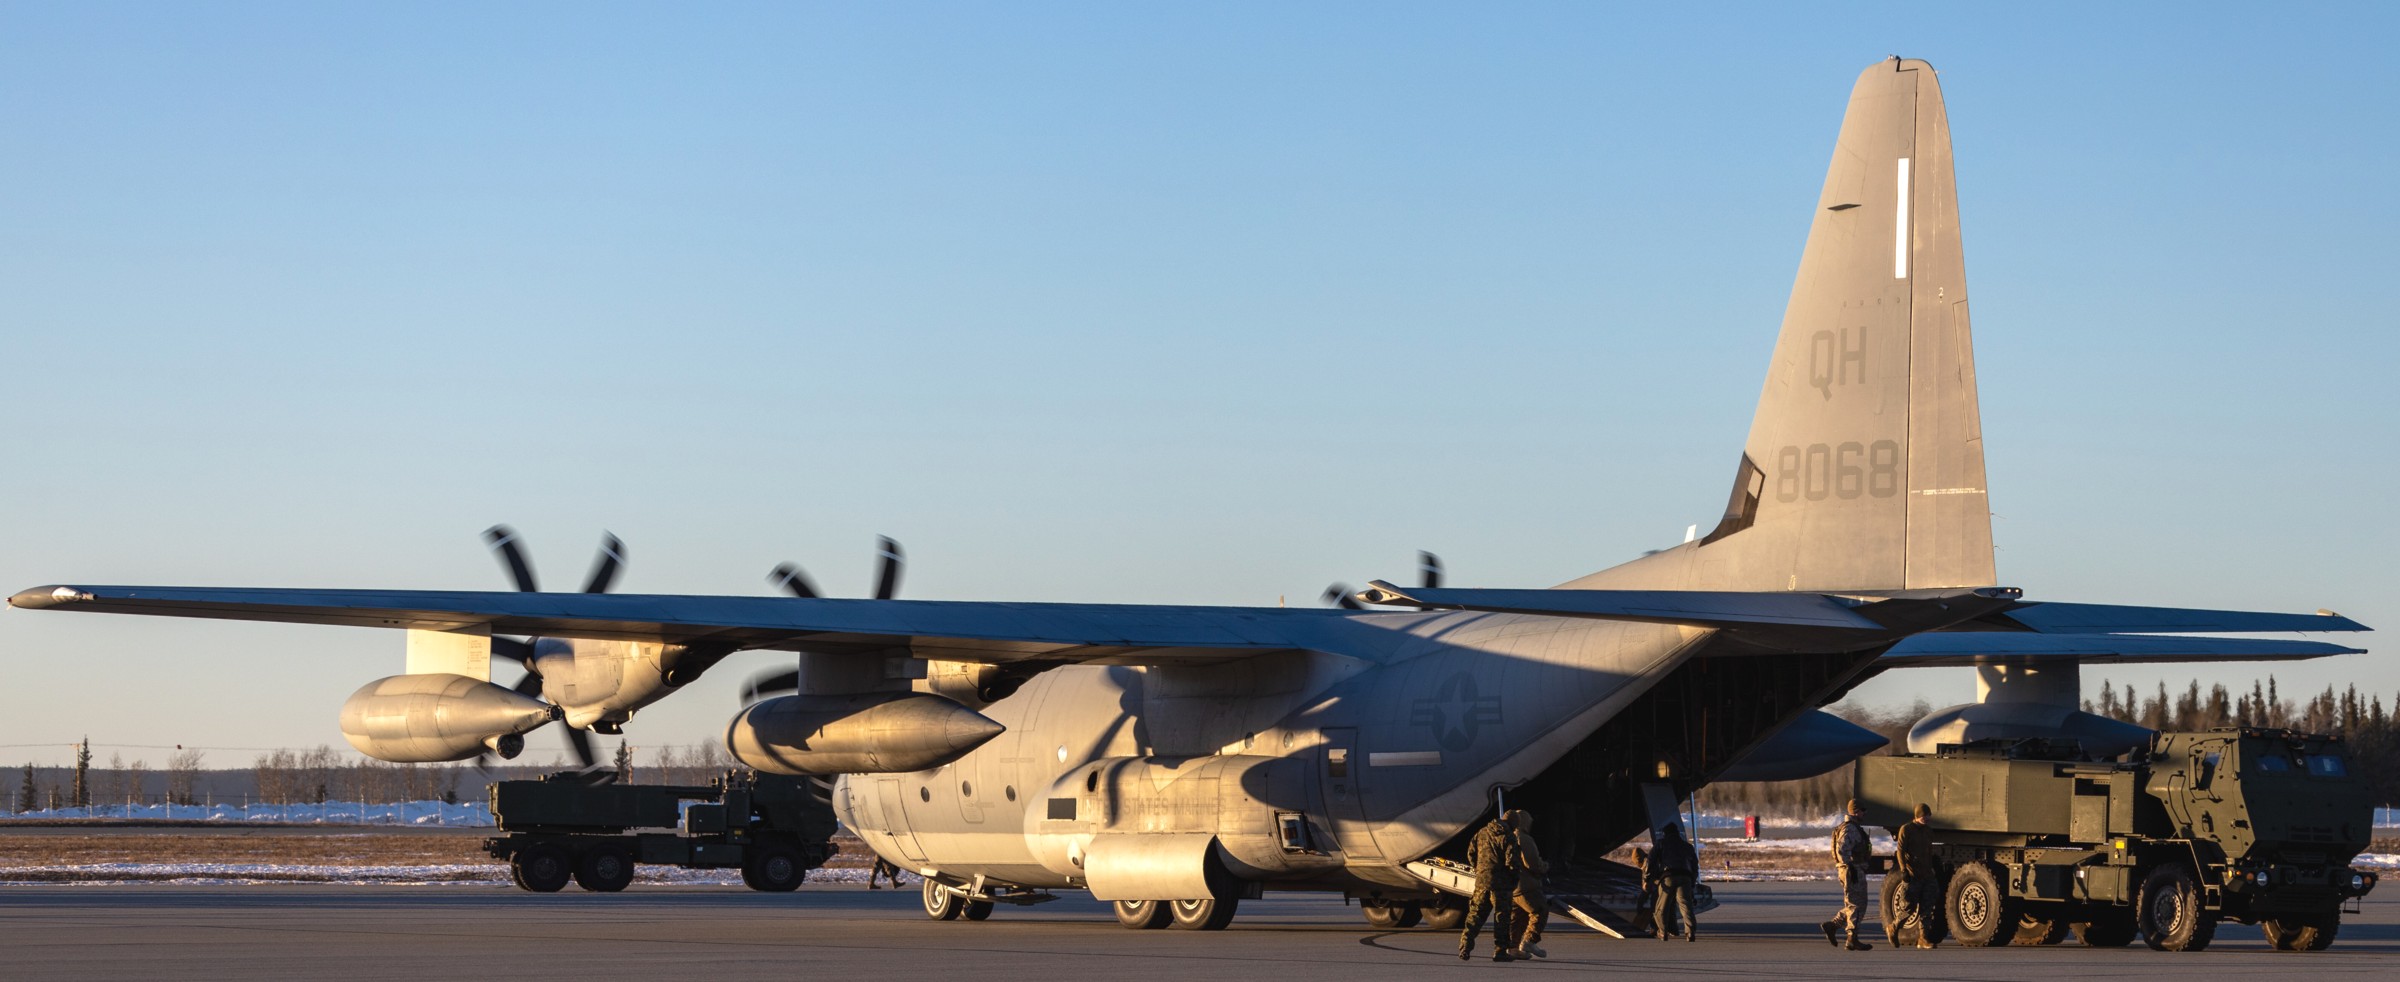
(1852, 854)
(1497, 860)
(1674, 868)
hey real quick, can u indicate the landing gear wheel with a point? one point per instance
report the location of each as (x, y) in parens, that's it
(2169, 912)
(1211, 914)
(1979, 909)
(940, 903)
(1143, 915)
(1411, 915)
(774, 869)
(1444, 916)
(1390, 917)
(2038, 929)
(2111, 929)
(2302, 932)
(541, 869)
(977, 910)
(604, 870)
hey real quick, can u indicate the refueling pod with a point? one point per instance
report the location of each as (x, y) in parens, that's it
(424, 719)
(865, 733)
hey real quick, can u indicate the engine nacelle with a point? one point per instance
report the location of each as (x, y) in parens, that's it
(866, 733)
(2019, 701)
(1813, 744)
(424, 719)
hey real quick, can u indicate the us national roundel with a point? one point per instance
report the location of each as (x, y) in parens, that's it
(1456, 713)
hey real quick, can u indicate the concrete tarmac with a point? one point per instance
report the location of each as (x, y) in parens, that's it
(850, 934)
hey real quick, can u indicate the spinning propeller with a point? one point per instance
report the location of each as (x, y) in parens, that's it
(1429, 575)
(504, 542)
(789, 578)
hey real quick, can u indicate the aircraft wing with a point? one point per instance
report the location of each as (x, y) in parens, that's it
(978, 632)
(1954, 649)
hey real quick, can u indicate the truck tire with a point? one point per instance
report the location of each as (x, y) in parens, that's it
(1142, 915)
(2169, 911)
(605, 869)
(773, 869)
(2107, 929)
(940, 903)
(1979, 909)
(2302, 932)
(541, 869)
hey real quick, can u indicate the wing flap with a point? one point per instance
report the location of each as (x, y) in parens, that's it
(2060, 618)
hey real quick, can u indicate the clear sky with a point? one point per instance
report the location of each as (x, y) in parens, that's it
(1206, 303)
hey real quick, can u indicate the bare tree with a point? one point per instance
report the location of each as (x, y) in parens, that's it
(183, 776)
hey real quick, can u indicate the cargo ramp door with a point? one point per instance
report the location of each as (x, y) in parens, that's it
(1602, 895)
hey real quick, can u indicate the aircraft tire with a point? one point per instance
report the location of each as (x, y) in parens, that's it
(2169, 911)
(541, 869)
(941, 904)
(1387, 916)
(774, 869)
(1444, 916)
(976, 910)
(1211, 914)
(606, 869)
(1143, 915)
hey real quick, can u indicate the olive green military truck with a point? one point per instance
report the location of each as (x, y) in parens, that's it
(774, 829)
(2253, 825)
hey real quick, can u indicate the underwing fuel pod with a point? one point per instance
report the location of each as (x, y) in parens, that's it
(877, 733)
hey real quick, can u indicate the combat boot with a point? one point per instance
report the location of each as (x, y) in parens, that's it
(1857, 945)
(1924, 943)
(1504, 955)
(1833, 933)
(1531, 949)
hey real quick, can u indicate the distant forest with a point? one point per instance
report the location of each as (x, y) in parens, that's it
(300, 777)
(2364, 722)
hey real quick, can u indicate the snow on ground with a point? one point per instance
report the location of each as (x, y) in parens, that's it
(471, 874)
(425, 813)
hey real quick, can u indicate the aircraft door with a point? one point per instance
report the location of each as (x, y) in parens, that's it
(1341, 776)
(895, 819)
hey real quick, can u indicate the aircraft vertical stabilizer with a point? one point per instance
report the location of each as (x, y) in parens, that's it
(1864, 466)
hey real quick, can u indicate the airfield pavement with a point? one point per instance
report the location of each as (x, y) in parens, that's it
(842, 931)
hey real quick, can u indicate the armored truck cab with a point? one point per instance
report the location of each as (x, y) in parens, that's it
(2255, 825)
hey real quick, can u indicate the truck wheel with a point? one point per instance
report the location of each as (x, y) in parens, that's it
(2169, 911)
(1979, 909)
(2113, 929)
(2302, 932)
(541, 869)
(1142, 915)
(1211, 914)
(1443, 915)
(941, 904)
(2037, 929)
(773, 869)
(604, 870)
(977, 910)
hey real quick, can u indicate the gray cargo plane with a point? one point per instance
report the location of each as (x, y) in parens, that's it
(1175, 759)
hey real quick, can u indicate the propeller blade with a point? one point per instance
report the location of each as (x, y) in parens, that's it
(514, 650)
(531, 684)
(1339, 596)
(887, 574)
(582, 742)
(504, 541)
(604, 569)
(788, 577)
(1429, 570)
(767, 684)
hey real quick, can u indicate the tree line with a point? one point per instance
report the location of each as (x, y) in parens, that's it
(2370, 729)
(321, 775)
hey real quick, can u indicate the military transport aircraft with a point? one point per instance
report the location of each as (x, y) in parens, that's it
(1175, 759)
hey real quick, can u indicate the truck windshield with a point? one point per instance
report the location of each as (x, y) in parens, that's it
(2327, 765)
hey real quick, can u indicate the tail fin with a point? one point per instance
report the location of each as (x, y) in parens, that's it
(1864, 468)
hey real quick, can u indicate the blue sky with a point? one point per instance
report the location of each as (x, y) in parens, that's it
(1165, 303)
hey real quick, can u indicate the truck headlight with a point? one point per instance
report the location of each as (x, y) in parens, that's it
(2266, 877)
(2358, 881)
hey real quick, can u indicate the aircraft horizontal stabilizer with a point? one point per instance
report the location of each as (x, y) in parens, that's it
(1951, 648)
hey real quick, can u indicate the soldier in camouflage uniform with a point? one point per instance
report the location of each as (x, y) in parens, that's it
(1533, 905)
(1497, 861)
(1851, 853)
